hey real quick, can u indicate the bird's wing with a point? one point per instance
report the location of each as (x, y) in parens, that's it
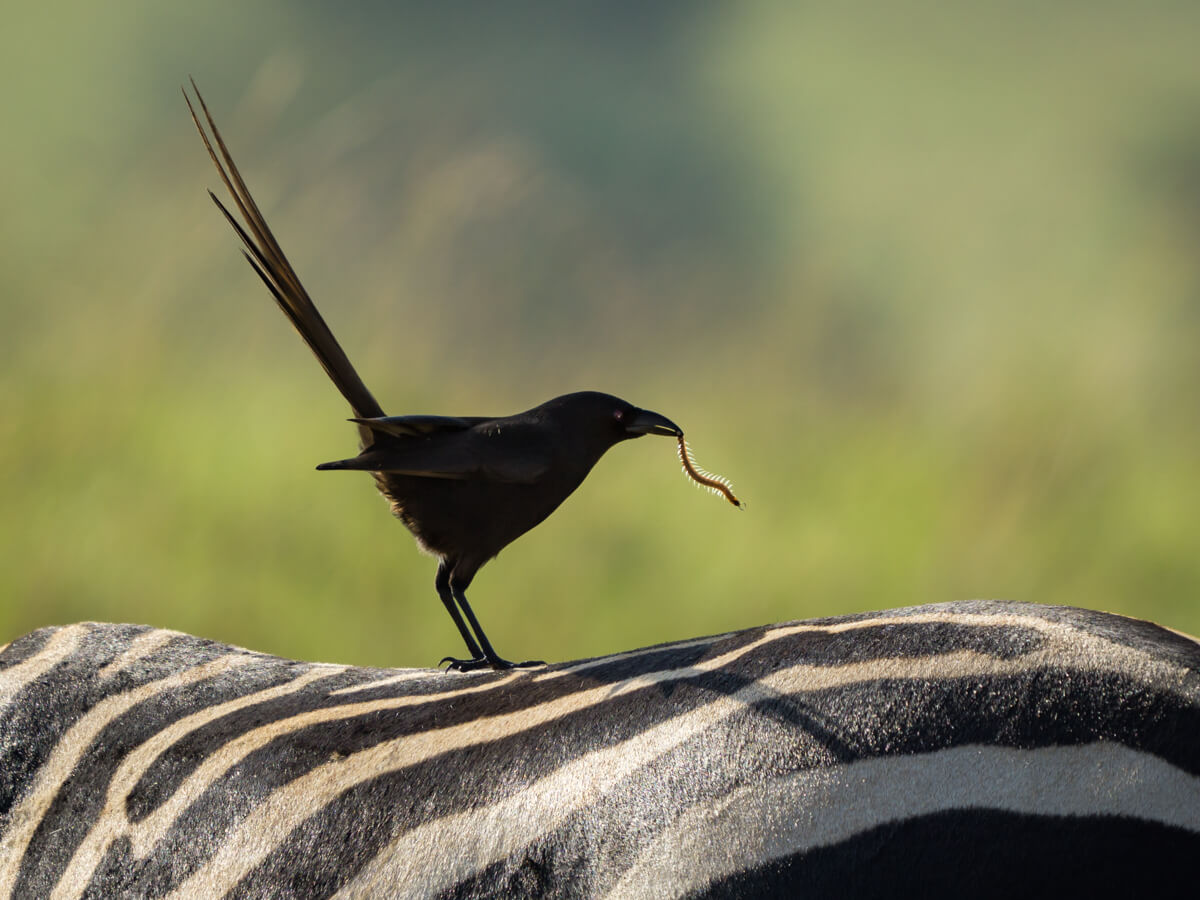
(482, 448)
(419, 426)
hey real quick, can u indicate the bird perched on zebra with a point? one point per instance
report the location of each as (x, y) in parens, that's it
(465, 486)
(977, 748)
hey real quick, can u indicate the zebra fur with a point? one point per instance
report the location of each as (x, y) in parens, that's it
(984, 746)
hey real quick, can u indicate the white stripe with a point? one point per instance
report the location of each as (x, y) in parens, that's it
(402, 677)
(112, 822)
(58, 647)
(275, 818)
(139, 648)
(818, 808)
(406, 675)
(419, 859)
(556, 796)
(417, 863)
(147, 832)
(143, 835)
(71, 748)
(151, 829)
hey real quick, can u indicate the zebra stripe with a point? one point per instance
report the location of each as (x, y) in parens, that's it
(992, 745)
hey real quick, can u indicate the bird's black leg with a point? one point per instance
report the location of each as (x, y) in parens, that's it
(491, 657)
(442, 583)
(458, 577)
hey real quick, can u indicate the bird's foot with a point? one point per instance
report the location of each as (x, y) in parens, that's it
(496, 664)
(463, 665)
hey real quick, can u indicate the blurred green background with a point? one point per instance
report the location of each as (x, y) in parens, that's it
(923, 280)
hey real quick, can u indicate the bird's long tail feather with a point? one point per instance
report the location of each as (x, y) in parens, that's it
(268, 260)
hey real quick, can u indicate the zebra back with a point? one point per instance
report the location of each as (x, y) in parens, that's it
(980, 746)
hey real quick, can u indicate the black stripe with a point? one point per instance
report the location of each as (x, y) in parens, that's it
(1160, 643)
(746, 748)
(984, 853)
(1038, 709)
(295, 754)
(35, 719)
(168, 771)
(378, 809)
(776, 735)
(350, 735)
(25, 647)
(76, 806)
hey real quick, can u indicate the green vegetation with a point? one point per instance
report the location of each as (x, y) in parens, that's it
(921, 280)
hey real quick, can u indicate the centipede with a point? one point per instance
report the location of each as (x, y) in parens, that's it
(708, 480)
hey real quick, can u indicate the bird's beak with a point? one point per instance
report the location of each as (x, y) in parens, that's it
(646, 422)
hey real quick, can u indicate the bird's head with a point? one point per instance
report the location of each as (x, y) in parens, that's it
(634, 422)
(607, 420)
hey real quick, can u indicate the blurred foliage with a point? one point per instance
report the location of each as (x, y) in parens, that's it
(921, 279)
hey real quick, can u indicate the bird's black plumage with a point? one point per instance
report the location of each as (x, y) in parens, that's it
(466, 487)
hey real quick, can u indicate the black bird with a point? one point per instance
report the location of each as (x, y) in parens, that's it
(466, 487)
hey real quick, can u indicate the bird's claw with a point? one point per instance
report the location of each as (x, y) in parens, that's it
(497, 664)
(462, 665)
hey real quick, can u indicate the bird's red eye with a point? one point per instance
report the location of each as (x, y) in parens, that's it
(619, 415)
